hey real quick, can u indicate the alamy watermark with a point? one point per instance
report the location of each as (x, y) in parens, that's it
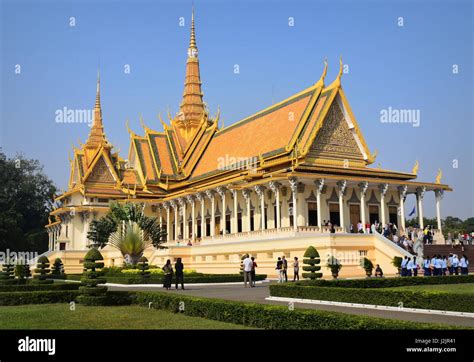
(228, 162)
(68, 115)
(17, 257)
(395, 115)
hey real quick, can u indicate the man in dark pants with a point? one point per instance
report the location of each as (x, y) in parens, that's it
(285, 267)
(179, 273)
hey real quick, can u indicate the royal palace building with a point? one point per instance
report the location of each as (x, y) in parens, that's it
(266, 185)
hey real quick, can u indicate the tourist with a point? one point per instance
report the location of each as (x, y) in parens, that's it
(410, 267)
(285, 267)
(404, 266)
(444, 265)
(168, 275)
(438, 265)
(360, 227)
(378, 271)
(464, 264)
(455, 264)
(296, 269)
(367, 227)
(279, 269)
(179, 273)
(253, 273)
(450, 264)
(432, 265)
(248, 265)
(426, 267)
(415, 267)
(332, 229)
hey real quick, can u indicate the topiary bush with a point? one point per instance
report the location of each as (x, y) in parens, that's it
(311, 264)
(22, 271)
(57, 267)
(7, 273)
(42, 270)
(368, 267)
(143, 267)
(90, 291)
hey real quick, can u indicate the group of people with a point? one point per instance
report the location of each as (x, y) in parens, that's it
(249, 266)
(282, 269)
(436, 266)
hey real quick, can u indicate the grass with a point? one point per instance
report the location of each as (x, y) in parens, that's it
(465, 288)
(59, 316)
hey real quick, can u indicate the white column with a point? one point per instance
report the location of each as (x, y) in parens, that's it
(234, 223)
(246, 195)
(190, 199)
(260, 190)
(275, 187)
(202, 200)
(401, 209)
(383, 191)
(439, 197)
(420, 193)
(210, 195)
(221, 191)
(294, 190)
(160, 215)
(363, 191)
(182, 203)
(166, 205)
(342, 186)
(176, 223)
(319, 190)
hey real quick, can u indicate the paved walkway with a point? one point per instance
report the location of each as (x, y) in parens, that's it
(258, 294)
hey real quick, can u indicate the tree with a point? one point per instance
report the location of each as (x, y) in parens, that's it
(58, 269)
(311, 264)
(42, 270)
(335, 266)
(126, 228)
(368, 267)
(143, 267)
(90, 291)
(26, 198)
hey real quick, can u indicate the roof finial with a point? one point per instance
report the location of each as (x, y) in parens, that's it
(341, 66)
(192, 40)
(97, 97)
(320, 82)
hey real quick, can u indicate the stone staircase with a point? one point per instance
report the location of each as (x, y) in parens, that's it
(447, 249)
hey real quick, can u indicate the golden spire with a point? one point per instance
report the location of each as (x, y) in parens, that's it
(320, 82)
(96, 135)
(192, 111)
(438, 176)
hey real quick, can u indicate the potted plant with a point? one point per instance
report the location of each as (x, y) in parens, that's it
(335, 266)
(368, 267)
(397, 263)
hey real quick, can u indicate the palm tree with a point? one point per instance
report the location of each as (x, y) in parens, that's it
(126, 228)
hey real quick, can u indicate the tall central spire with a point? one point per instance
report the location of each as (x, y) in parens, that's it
(96, 135)
(192, 111)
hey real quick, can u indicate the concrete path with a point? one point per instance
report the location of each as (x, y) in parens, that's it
(258, 294)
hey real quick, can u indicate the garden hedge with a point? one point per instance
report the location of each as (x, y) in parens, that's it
(39, 287)
(210, 278)
(389, 297)
(268, 316)
(389, 282)
(37, 297)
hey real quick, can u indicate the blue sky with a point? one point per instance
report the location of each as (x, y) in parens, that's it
(409, 67)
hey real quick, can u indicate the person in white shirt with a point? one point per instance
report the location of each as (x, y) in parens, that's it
(433, 265)
(450, 264)
(248, 265)
(444, 265)
(426, 267)
(438, 266)
(404, 267)
(455, 264)
(410, 266)
(464, 264)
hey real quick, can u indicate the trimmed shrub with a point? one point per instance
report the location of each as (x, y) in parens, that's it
(388, 297)
(37, 297)
(90, 292)
(269, 316)
(58, 269)
(39, 287)
(397, 263)
(368, 266)
(311, 264)
(155, 279)
(7, 273)
(389, 282)
(42, 270)
(22, 271)
(143, 267)
(334, 265)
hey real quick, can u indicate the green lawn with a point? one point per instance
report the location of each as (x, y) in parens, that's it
(58, 316)
(464, 288)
